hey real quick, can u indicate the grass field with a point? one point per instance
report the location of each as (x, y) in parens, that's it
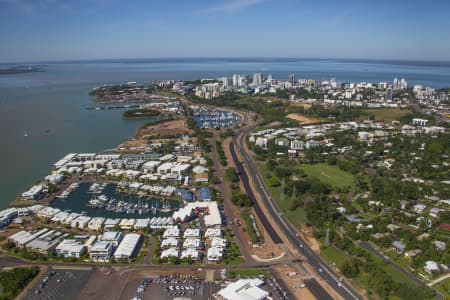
(296, 217)
(386, 114)
(334, 256)
(443, 287)
(329, 174)
(247, 273)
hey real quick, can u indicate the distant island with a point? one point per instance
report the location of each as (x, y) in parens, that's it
(20, 70)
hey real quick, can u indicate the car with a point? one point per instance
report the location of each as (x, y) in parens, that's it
(320, 270)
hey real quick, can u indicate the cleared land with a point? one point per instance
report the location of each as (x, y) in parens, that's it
(174, 127)
(386, 114)
(303, 119)
(329, 174)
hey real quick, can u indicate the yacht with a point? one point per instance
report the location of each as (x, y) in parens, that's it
(103, 198)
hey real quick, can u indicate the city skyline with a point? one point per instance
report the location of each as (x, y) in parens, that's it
(49, 30)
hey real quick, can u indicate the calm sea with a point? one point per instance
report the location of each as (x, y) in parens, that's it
(55, 100)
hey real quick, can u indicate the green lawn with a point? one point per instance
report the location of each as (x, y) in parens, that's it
(386, 114)
(334, 256)
(329, 174)
(443, 287)
(247, 273)
(296, 217)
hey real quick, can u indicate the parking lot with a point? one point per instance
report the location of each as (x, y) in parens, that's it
(168, 287)
(59, 284)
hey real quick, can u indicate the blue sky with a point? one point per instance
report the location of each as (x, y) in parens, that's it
(36, 30)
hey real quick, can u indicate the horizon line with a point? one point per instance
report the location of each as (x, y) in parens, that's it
(55, 61)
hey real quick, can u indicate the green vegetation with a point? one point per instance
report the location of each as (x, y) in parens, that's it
(140, 113)
(443, 287)
(375, 275)
(201, 135)
(233, 255)
(104, 92)
(221, 154)
(386, 114)
(13, 281)
(250, 223)
(329, 174)
(240, 199)
(247, 273)
(231, 175)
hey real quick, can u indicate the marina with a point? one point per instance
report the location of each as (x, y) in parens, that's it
(106, 200)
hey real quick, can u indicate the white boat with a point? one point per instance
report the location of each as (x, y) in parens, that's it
(103, 198)
(25, 134)
(63, 195)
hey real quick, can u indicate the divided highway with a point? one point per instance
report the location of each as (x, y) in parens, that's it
(326, 273)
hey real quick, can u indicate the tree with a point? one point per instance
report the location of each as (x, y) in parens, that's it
(231, 175)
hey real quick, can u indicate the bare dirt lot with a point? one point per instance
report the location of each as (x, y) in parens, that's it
(301, 104)
(294, 283)
(174, 127)
(303, 119)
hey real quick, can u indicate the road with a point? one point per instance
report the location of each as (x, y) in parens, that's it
(244, 179)
(367, 246)
(325, 272)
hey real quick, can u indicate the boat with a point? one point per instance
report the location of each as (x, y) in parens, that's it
(94, 187)
(103, 198)
(96, 203)
(25, 134)
(63, 195)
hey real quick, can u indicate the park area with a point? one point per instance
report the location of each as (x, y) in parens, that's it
(329, 174)
(386, 114)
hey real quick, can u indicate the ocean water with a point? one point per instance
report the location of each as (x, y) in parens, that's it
(56, 99)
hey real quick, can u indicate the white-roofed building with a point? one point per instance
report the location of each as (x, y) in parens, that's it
(129, 247)
(72, 216)
(47, 212)
(171, 252)
(34, 193)
(191, 233)
(190, 253)
(171, 232)
(211, 213)
(214, 254)
(169, 243)
(150, 166)
(101, 251)
(431, 267)
(70, 248)
(199, 169)
(142, 223)
(244, 289)
(60, 217)
(218, 243)
(80, 222)
(110, 223)
(191, 243)
(96, 223)
(213, 233)
(127, 224)
(22, 238)
(114, 237)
